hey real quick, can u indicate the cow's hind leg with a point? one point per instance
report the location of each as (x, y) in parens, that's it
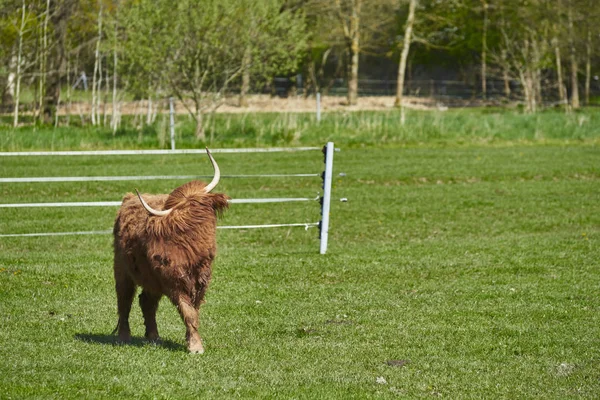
(125, 288)
(189, 315)
(149, 305)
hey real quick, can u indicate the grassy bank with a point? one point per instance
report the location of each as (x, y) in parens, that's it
(454, 271)
(472, 126)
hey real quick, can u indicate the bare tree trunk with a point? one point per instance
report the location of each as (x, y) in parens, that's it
(117, 115)
(95, 84)
(588, 66)
(68, 100)
(154, 112)
(10, 81)
(536, 53)
(106, 95)
(316, 76)
(574, 67)
(200, 134)
(504, 58)
(43, 62)
(528, 86)
(56, 113)
(247, 59)
(561, 92)
(59, 14)
(574, 83)
(484, 50)
(149, 113)
(527, 77)
(115, 118)
(537, 75)
(313, 77)
(99, 92)
(136, 114)
(532, 90)
(354, 51)
(19, 62)
(404, 55)
(353, 81)
(78, 103)
(505, 75)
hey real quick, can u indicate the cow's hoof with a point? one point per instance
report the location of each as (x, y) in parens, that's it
(124, 339)
(153, 338)
(196, 348)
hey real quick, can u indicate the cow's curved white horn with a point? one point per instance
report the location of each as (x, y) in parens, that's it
(152, 210)
(217, 176)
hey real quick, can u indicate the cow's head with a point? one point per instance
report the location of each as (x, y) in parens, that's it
(190, 202)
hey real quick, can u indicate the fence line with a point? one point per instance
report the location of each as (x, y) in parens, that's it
(323, 225)
(142, 178)
(118, 203)
(109, 231)
(155, 152)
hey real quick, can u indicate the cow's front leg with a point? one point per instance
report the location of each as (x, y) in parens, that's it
(149, 305)
(189, 315)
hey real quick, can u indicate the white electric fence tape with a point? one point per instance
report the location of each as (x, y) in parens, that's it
(141, 178)
(118, 203)
(109, 231)
(153, 152)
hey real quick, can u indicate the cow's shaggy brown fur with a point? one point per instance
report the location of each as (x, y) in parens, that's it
(166, 255)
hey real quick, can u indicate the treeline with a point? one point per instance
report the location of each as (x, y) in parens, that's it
(204, 51)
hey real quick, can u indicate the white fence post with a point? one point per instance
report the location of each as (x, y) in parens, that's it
(172, 122)
(318, 107)
(327, 178)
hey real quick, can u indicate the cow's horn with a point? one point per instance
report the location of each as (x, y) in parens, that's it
(217, 176)
(152, 210)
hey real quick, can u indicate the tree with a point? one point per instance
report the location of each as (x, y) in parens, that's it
(349, 17)
(195, 50)
(115, 43)
(357, 24)
(21, 33)
(435, 28)
(325, 48)
(526, 46)
(573, 57)
(276, 40)
(97, 76)
(17, 51)
(410, 21)
(484, 35)
(60, 12)
(202, 51)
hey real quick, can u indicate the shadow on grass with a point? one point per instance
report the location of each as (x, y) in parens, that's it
(135, 341)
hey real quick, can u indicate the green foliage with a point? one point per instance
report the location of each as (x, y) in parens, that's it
(195, 50)
(460, 272)
(276, 36)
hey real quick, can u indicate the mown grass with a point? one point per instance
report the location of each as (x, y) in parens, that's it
(461, 271)
(348, 129)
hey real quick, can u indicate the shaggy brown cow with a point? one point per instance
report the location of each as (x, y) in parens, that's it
(166, 244)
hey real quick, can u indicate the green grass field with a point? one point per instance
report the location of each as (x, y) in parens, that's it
(467, 269)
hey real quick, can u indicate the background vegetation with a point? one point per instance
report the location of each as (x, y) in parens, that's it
(537, 52)
(348, 129)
